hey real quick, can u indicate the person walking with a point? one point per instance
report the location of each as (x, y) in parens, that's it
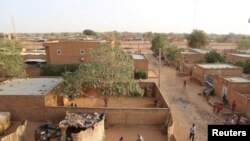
(121, 139)
(192, 132)
(140, 138)
(184, 84)
(233, 106)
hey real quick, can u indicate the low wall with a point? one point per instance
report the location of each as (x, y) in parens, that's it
(24, 107)
(18, 135)
(150, 86)
(115, 116)
(240, 99)
(34, 72)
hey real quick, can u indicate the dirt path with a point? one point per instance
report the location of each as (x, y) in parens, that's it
(186, 105)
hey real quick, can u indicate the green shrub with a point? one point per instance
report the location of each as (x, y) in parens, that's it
(141, 74)
(245, 65)
(58, 70)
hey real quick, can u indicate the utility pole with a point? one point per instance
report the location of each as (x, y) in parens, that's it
(159, 77)
(13, 27)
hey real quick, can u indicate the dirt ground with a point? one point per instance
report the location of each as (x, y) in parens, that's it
(130, 132)
(143, 102)
(186, 105)
(152, 74)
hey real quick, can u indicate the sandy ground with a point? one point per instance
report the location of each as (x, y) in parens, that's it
(130, 132)
(152, 74)
(186, 105)
(144, 102)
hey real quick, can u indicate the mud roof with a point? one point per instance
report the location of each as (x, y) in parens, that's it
(237, 79)
(138, 56)
(29, 86)
(217, 66)
(241, 55)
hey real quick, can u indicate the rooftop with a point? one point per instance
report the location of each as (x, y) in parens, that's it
(201, 51)
(217, 66)
(188, 52)
(36, 60)
(237, 79)
(242, 55)
(138, 56)
(76, 41)
(29, 86)
(244, 51)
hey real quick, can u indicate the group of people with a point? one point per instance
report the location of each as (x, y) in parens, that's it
(235, 120)
(140, 138)
(219, 107)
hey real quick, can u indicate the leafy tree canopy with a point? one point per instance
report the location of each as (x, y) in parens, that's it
(245, 65)
(159, 41)
(110, 71)
(11, 62)
(197, 39)
(172, 52)
(214, 57)
(89, 32)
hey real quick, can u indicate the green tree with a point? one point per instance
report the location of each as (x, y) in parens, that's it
(1, 35)
(159, 41)
(214, 57)
(112, 36)
(244, 44)
(197, 39)
(110, 72)
(89, 32)
(245, 65)
(11, 62)
(172, 52)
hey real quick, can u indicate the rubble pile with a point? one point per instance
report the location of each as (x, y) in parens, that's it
(47, 131)
(81, 120)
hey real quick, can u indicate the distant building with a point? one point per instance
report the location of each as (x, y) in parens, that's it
(193, 55)
(136, 46)
(235, 88)
(235, 57)
(69, 51)
(205, 73)
(140, 62)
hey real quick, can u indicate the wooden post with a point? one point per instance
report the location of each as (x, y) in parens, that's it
(159, 77)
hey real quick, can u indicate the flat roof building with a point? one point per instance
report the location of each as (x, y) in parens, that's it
(27, 98)
(235, 57)
(140, 63)
(202, 72)
(29, 86)
(70, 51)
(235, 88)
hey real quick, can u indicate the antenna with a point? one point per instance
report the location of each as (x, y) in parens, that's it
(13, 26)
(195, 8)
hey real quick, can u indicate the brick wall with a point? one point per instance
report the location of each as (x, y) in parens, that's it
(141, 65)
(240, 99)
(199, 73)
(115, 116)
(34, 72)
(234, 58)
(24, 107)
(70, 51)
(192, 57)
(236, 91)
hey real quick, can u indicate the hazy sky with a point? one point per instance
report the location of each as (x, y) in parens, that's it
(212, 16)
